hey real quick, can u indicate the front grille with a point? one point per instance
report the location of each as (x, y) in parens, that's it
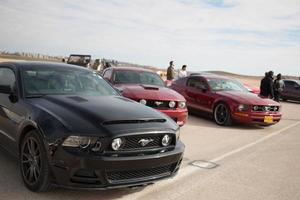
(258, 108)
(158, 104)
(134, 142)
(141, 174)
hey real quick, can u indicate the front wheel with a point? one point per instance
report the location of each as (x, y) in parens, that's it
(34, 163)
(222, 115)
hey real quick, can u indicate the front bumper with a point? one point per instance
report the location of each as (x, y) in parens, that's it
(256, 117)
(105, 172)
(178, 115)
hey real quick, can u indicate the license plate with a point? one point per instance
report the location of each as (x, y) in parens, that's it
(268, 119)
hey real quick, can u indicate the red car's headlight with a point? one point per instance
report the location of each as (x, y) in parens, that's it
(181, 104)
(243, 107)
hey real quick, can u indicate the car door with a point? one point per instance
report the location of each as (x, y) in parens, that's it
(198, 94)
(290, 91)
(9, 113)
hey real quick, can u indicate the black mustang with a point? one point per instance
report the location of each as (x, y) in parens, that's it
(70, 128)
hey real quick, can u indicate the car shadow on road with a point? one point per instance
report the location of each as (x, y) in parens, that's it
(11, 186)
(205, 120)
(290, 102)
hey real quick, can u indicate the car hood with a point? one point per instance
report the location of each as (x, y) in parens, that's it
(136, 91)
(85, 114)
(247, 98)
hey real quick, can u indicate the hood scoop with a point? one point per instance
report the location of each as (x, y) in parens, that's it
(134, 121)
(78, 99)
(150, 87)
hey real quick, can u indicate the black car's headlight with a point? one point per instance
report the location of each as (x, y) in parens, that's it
(83, 142)
(243, 107)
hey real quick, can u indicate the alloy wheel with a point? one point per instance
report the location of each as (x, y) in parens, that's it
(31, 161)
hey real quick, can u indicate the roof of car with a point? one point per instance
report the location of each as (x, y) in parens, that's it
(21, 64)
(208, 76)
(294, 80)
(133, 69)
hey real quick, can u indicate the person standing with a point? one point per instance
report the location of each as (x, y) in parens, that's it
(266, 86)
(171, 71)
(182, 73)
(278, 87)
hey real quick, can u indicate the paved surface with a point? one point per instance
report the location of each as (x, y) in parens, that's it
(245, 162)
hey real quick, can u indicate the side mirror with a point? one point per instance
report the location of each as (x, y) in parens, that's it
(119, 90)
(202, 87)
(5, 89)
(297, 86)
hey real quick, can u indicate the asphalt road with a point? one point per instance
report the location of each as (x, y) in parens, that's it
(238, 162)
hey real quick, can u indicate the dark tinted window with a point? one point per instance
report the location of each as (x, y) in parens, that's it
(43, 81)
(290, 84)
(137, 77)
(7, 77)
(196, 82)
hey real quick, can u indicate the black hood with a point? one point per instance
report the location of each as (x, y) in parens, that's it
(90, 115)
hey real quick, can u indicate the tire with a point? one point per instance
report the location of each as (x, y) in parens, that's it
(222, 115)
(33, 162)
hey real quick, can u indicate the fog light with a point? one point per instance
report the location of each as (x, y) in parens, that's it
(143, 101)
(116, 144)
(166, 140)
(255, 108)
(172, 104)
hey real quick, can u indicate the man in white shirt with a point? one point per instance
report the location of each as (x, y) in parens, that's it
(182, 73)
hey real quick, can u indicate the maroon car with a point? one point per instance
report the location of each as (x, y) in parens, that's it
(146, 87)
(226, 100)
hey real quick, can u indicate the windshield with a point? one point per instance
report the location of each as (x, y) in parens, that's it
(64, 81)
(138, 77)
(226, 85)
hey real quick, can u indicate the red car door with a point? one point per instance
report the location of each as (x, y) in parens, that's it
(199, 95)
(190, 93)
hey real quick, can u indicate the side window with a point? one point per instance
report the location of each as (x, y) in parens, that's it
(7, 77)
(289, 84)
(107, 74)
(196, 82)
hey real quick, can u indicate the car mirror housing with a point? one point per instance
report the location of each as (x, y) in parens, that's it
(6, 89)
(202, 87)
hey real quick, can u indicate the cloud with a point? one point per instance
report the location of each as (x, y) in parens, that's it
(204, 34)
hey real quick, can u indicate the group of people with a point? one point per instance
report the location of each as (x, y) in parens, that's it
(270, 88)
(171, 72)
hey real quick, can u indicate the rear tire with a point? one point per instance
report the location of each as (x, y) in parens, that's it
(222, 115)
(33, 162)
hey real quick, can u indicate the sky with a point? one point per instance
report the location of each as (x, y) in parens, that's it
(240, 36)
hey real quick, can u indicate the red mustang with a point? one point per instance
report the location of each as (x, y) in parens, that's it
(226, 100)
(146, 87)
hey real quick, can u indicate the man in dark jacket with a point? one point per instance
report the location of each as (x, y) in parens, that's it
(171, 71)
(266, 85)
